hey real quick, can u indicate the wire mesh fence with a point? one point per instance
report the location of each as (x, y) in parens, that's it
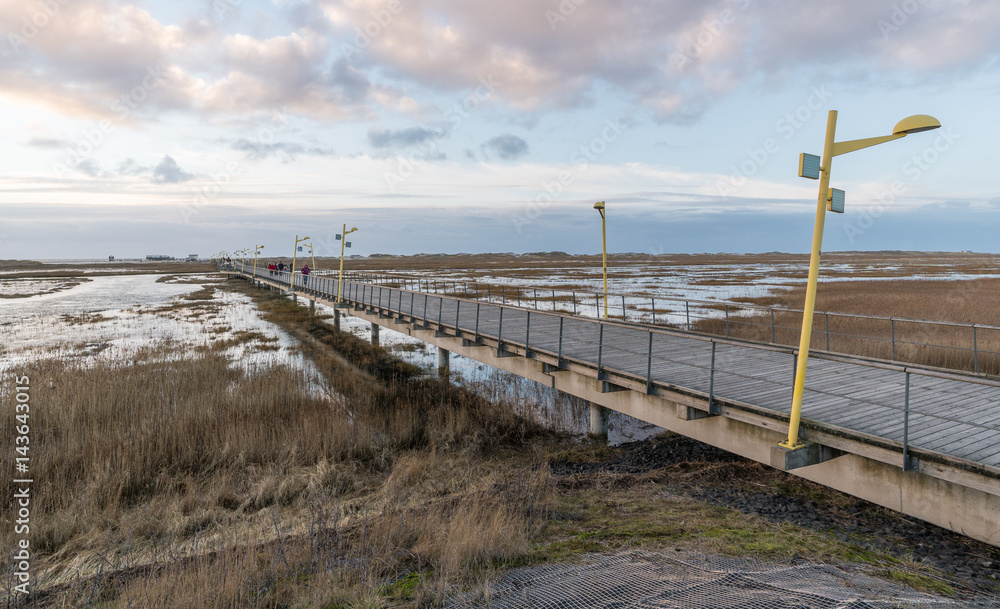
(956, 346)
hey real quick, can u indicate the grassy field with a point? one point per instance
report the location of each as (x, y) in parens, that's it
(166, 482)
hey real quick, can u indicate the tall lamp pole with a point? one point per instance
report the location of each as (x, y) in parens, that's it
(255, 250)
(599, 206)
(343, 243)
(830, 199)
(294, 251)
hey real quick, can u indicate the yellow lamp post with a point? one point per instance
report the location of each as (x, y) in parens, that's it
(343, 243)
(599, 206)
(832, 199)
(294, 251)
(255, 250)
(243, 258)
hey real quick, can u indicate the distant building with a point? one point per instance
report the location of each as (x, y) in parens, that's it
(158, 257)
(111, 258)
(192, 257)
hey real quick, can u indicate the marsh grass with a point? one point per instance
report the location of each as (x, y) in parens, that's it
(166, 483)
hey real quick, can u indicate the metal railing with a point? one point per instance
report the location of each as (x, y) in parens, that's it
(895, 407)
(953, 345)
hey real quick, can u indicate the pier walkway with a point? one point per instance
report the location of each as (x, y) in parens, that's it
(919, 440)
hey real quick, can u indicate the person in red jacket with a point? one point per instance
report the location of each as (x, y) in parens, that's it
(305, 274)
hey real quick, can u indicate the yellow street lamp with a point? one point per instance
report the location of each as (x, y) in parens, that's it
(255, 250)
(243, 258)
(294, 251)
(833, 200)
(343, 243)
(599, 206)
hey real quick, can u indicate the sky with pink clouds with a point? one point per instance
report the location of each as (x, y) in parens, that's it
(131, 128)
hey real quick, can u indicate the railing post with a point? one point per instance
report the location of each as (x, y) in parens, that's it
(458, 308)
(425, 309)
(772, 326)
(517, 291)
(652, 303)
(975, 349)
(476, 336)
(727, 320)
(503, 296)
(500, 332)
(711, 384)
(553, 300)
(573, 295)
(559, 361)
(440, 311)
(623, 308)
(906, 425)
(412, 295)
(527, 335)
(827, 316)
(649, 365)
(892, 327)
(535, 290)
(687, 313)
(600, 350)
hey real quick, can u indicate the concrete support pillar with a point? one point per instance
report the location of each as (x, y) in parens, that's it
(336, 320)
(375, 329)
(312, 307)
(598, 421)
(295, 297)
(444, 362)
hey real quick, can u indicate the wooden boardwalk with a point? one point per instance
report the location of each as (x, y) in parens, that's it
(948, 414)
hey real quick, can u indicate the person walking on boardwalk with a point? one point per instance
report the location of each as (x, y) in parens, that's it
(305, 274)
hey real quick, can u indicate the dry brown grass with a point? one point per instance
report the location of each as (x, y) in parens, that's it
(169, 483)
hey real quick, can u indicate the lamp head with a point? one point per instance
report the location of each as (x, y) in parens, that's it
(916, 124)
(599, 205)
(354, 228)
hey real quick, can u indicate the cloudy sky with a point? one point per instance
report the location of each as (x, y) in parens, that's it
(184, 126)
